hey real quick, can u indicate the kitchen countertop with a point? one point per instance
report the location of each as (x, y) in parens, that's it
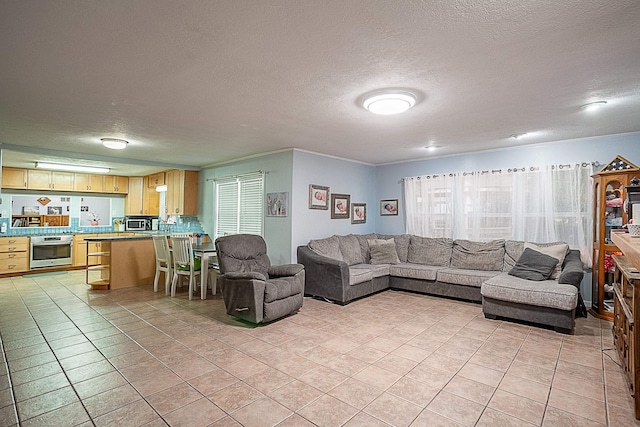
(110, 238)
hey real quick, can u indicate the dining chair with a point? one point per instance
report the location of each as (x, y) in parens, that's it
(163, 262)
(184, 263)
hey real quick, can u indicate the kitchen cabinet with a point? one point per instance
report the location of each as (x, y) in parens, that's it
(182, 192)
(49, 180)
(141, 200)
(14, 254)
(87, 182)
(133, 203)
(155, 180)
(55, 220)
(609, 192)
(79, 254)
(14, 178)
(115, 184)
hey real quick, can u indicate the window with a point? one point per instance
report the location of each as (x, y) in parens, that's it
(543, 204)
(239, 205)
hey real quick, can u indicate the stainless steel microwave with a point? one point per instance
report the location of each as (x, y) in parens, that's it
(136, 224)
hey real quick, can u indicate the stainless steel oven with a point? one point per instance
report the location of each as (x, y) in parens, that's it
(50, 251)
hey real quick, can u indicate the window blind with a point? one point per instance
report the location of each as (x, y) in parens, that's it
(239, 205)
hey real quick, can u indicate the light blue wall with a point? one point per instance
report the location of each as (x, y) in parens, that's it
(278, 179)
(342, 177)
(594, 149)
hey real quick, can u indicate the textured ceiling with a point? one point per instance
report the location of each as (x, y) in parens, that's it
(202, 82)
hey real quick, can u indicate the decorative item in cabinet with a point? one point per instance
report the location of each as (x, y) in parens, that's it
(14, 254)
(609, 217)
(626, 337)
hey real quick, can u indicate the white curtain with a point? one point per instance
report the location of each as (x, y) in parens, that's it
(545, 204)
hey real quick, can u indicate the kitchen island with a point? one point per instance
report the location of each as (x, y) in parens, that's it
(120, 261)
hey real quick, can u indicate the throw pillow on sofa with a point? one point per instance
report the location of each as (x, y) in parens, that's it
(534, 265)
(402, 244)
(383, 252)
(430, 251)
(558, 251)
(486, 256)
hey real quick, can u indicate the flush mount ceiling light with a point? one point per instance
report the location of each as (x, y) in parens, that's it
(71, 168)
(593, 106)
(114, 143)
(389, 102)
(432, 147)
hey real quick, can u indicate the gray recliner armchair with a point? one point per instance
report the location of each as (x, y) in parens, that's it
(253, 289)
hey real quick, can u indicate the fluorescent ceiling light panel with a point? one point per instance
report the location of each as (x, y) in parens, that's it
(71, 168)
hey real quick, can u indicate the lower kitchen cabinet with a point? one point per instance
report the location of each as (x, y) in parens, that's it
(14, 254)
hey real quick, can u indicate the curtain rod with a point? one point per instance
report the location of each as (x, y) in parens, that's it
(510, 170)
(258, 172)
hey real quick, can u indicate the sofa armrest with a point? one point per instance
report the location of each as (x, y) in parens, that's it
(324, 277)
(245, 276)
(572, 269)
(285, 270)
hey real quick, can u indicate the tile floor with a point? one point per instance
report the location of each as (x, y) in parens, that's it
(73, 356)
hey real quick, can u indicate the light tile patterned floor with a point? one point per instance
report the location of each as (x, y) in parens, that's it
(73, 356)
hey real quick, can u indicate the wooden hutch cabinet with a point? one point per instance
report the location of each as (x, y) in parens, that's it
(609, 215)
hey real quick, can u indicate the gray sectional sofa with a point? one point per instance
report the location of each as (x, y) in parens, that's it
(344, 268)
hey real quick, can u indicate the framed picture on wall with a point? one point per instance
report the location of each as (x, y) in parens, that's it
(277, 204)
(340, 206)
(358, 213)
(389, 207)
(318, 197)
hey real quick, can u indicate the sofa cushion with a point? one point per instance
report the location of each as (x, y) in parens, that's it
(359, 275)
(430, 251)
(402, 244)
(534, 265)
(512, 251)
(383, 253)
(377, 270)
(547, 293)
(556, 250)
(486, 256)
(414, 271)
(276, 289)
(364, 245)
(463, 276)
(329, 247)
(350, 249)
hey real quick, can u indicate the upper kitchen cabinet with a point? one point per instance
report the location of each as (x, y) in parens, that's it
(182, 192)
(141, 200)
(115, 184)
(87, 182)
(49, 180)
(156, 179)
(14, 178)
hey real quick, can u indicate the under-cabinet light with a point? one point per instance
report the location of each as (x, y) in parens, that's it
(71, 168)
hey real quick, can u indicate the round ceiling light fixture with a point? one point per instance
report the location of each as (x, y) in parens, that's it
(593, 106)
(114, 143)
(518, 135)
(388, 102)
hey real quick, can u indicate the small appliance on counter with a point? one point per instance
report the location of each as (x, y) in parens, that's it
(140, 223)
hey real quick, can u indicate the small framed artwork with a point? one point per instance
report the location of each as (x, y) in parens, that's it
(340, 206)
(358, 213)
(54, 210)
(318, 197)
(277, 204)
(389, 207)
(30, 210)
